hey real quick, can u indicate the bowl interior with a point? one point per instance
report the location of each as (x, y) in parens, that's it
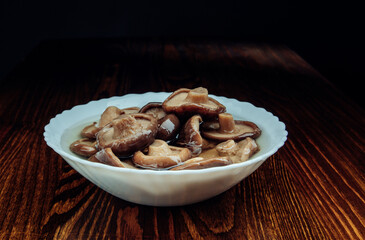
(273, 131)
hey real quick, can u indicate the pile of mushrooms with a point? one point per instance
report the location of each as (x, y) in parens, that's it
(189, 130)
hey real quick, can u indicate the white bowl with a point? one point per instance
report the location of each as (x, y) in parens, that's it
(161, 188)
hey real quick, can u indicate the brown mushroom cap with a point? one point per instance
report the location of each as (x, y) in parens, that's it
(90, 131)
(195, 101)
(161, 155)
(130, 110)
(84, 147)
(237, 152)
(201, 163)
(168, 124)
(168, 127)
(113, 112)
(190, 135)
(154, 108)
(106, 156)
(109, 114)
(226, 128)
(128, 134)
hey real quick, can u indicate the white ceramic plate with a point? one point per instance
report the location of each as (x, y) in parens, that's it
(161, 188)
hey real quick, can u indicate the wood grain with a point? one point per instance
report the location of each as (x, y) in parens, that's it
(313, 188)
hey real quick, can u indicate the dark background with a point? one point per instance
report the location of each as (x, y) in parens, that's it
(328, 35)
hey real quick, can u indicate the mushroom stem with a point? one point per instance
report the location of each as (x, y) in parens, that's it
(226, 122)
(198, 95)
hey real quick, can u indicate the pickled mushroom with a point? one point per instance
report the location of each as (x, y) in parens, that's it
(84, 147)
(130, 133)
(90, 131)
(168, 127)
(227, 128)
(109, 114)
(185, 102)
(106, 156)
(161, 155)
(237, 152)
(155, 109)
(190, 135)
(201, 163)
(168, 124)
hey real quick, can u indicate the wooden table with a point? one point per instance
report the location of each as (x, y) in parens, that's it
(312, 188)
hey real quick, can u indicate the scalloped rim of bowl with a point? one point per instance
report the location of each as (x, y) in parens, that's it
(50, 137)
